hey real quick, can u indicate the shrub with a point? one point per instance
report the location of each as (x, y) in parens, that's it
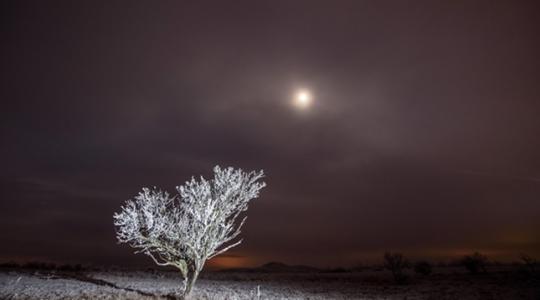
(37, 265)
(423, 268)
(10, 265)
(70, 268)
(396, 263)
(528, 266)
(475, 263)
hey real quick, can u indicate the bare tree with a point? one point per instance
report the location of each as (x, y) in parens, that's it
(475, 263)
(529, 265)
(186, 230)
(396, 263)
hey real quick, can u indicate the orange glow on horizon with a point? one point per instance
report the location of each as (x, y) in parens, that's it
(230, 262)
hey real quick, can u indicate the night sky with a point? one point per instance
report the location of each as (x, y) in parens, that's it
(423, 135)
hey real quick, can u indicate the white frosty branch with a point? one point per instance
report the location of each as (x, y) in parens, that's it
(198, 224)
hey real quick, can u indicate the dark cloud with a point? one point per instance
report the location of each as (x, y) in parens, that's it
(423, 135)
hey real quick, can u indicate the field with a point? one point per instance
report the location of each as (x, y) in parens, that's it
(444, 283)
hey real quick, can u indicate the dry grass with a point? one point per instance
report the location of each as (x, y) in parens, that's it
(444, 283)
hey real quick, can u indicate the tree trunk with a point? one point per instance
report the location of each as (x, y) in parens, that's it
(189, 281)
(192, 277)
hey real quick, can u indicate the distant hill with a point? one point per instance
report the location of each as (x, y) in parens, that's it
(276, 267)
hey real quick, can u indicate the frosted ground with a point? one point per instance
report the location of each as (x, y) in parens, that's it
(445, 283)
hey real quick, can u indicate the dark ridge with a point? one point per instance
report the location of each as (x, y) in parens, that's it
(276, 267)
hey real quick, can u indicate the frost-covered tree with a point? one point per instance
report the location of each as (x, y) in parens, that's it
(198, 224)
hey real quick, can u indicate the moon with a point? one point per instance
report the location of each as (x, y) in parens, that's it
(303, 99)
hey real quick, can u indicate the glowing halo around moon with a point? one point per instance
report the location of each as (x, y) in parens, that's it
(302, 99)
